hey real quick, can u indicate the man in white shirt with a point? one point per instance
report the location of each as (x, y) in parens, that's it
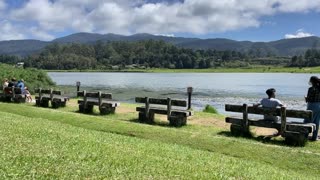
(270, 102)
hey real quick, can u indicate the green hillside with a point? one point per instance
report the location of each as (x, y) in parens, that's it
(33, 78)
(282, 47)
(39, 143)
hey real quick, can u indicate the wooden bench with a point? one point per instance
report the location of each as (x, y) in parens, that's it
(46, 95)
(176, 117)
(295, 133)
(15, 95)
(102, 100)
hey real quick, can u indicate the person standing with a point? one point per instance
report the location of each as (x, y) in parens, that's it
(313, 103)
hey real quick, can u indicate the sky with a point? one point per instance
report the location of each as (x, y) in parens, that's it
(253, 20)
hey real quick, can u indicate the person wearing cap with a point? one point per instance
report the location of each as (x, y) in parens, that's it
(313, 104)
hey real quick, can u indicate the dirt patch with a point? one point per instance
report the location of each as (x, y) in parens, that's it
(194, 120)
(124, 110)
(207, 121)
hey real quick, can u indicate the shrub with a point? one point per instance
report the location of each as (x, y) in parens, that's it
(210, 109)
(34, 78)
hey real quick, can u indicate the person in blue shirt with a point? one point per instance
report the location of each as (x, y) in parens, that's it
(20, 85)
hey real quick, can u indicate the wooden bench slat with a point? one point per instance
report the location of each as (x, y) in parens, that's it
(56, 92)
(275, 112)
(104, 102)
(174, 102)
(95, 95)
(80, 94)
(92, 94)
(164, 111)
(106, 95)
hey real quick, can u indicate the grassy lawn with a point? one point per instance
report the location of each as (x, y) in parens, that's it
(46, 143)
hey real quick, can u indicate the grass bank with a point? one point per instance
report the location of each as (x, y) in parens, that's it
(33, 78)
(46, 143)
(253, 69)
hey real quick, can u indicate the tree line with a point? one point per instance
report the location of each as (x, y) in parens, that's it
(143, 54)
(147, 54)
(310, 58)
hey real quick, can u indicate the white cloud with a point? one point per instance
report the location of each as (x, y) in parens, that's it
(40, 34)
(9, 31)
(3, 5)
(166, 35)
(299, 34)
(138, 16)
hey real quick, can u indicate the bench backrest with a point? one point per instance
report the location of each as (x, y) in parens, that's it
(282, 112)
(160, 101)
(48, 91)
(304, 114)
(94, 95)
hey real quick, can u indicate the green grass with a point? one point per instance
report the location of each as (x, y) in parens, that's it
(252, 69)
(39, 143)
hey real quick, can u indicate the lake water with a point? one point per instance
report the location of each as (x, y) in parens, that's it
(215, 89)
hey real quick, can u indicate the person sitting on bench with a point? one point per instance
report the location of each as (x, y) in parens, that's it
(270, 102)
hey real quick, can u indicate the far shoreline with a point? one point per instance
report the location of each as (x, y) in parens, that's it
(258, 69)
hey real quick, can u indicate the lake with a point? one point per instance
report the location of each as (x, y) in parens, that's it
(215, 89)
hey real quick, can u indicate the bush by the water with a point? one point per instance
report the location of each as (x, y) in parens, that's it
(33, 78)
(210, 109)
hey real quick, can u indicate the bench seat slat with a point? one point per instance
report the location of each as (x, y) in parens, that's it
(95, 95)
(164, 111)
(106, 103)
(174, 102)
(275, 112)
(55, 97)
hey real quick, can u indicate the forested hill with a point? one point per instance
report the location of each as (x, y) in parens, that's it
(284, 47)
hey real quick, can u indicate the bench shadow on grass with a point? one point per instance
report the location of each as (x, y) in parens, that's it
(263, 139)
(156, 123)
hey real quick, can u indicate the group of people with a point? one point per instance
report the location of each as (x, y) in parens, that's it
(7, 87)
(312, 99)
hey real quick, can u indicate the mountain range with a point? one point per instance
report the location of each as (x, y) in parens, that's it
(283, 47)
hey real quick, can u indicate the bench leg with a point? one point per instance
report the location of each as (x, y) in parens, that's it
(44, 103)
(63, 104)
(88, 109)
(238, 130)
(144, 119)
(177, 121)
(107, 110)
(37, 102)
(81, 108)
(55, 104)
(295, 138)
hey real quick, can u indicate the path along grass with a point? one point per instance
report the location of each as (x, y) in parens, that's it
(45, 143)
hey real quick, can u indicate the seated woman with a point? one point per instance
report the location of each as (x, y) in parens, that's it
(27, 93)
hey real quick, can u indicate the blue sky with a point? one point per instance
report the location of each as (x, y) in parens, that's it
(261, 20)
